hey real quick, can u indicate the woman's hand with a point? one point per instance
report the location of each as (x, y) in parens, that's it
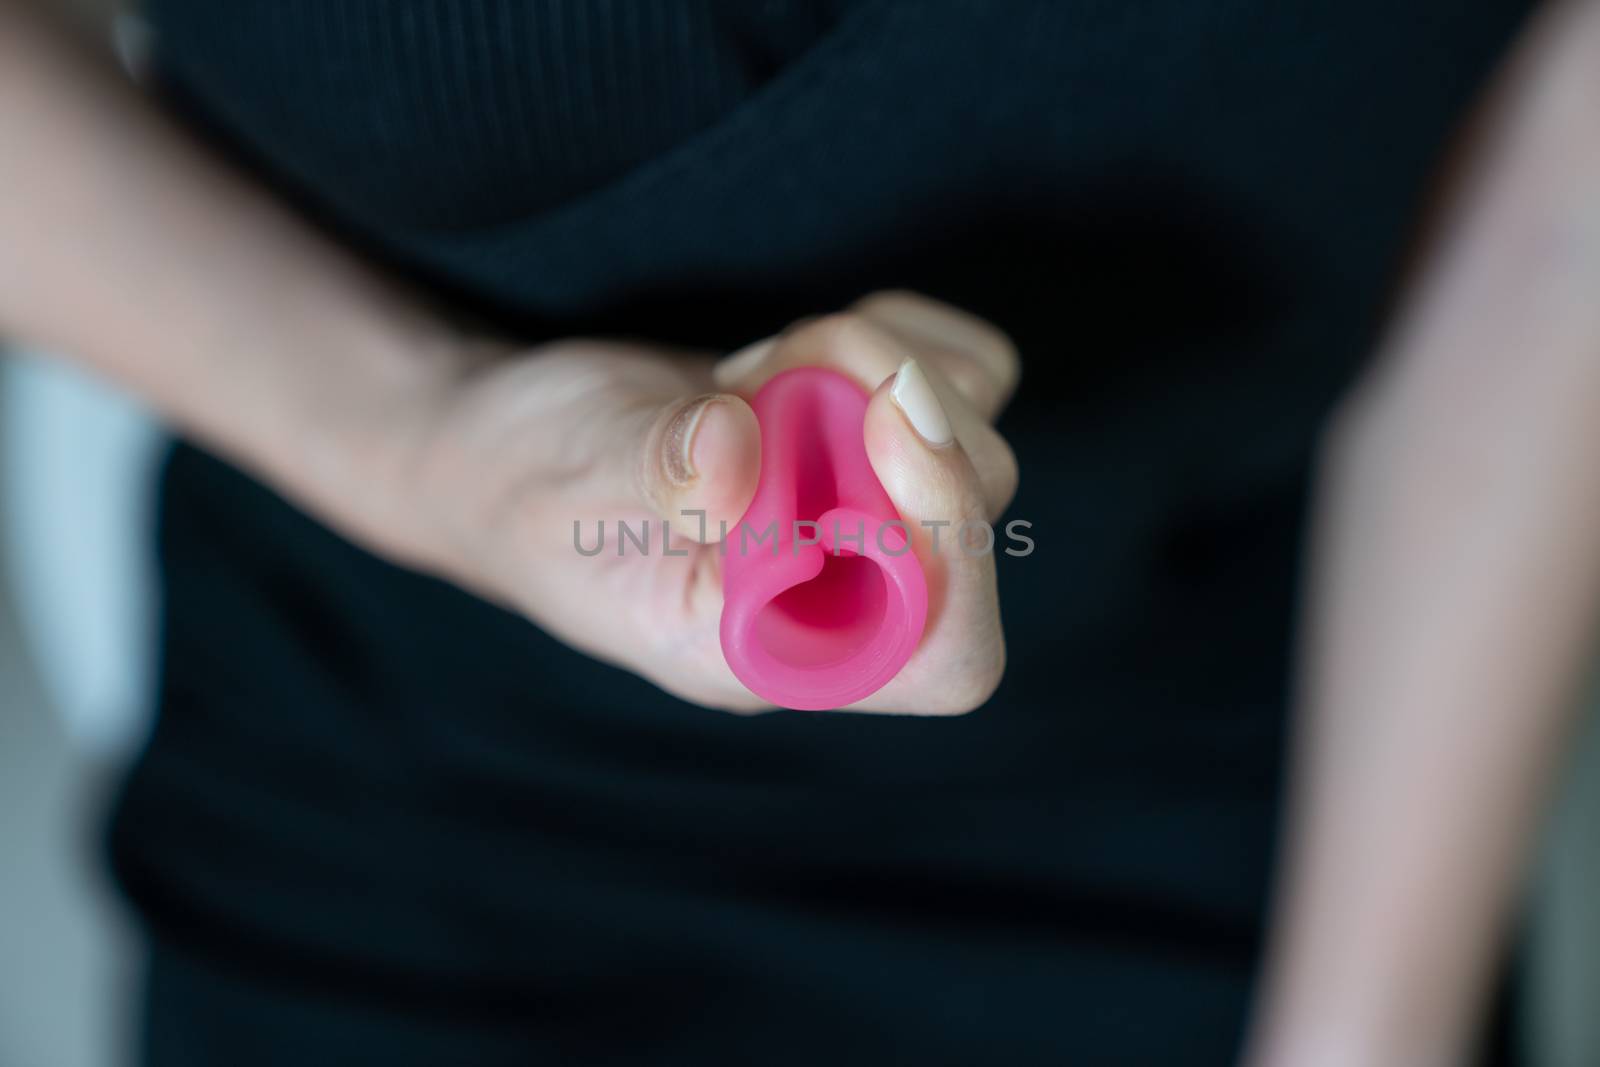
(519, 450)
(128, 248)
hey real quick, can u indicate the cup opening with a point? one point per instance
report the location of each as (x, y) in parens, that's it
(829, 619)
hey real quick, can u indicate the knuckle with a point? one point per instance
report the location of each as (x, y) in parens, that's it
(973, 384)
(998, 355)
(987, 350)
(1005, 476)
(846, 338)
(1005, 353)
(892, 301)
(822, 333)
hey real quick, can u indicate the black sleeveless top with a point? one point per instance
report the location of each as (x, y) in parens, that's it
(381, 821)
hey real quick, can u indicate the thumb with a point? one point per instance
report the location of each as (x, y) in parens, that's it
(915, 453)
(698, 455)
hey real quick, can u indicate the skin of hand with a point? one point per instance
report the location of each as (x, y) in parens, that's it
(518, 450)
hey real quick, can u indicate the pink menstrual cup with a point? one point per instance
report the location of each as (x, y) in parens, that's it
(823, 599)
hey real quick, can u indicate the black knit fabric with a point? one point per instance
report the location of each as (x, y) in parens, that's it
(469, 113)
(383, 822)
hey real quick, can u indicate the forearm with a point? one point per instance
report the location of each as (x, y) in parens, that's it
(1455, 582)
(127, 247)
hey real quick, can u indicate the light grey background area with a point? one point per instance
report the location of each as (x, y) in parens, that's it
(1562, 994)
(77, 611)
(77, 464)
(67, 954)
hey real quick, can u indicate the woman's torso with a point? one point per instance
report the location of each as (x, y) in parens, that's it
(1186, 215)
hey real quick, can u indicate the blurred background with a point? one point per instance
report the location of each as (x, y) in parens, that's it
(77, 637)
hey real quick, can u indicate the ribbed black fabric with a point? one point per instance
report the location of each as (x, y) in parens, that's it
(467, 113)
(382, 822)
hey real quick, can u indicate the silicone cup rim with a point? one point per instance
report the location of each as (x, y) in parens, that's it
(860, 674)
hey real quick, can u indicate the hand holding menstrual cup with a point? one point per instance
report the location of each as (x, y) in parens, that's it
(823, 599)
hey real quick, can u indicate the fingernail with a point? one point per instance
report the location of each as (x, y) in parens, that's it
(914, 396)
(740, 364)
(677, 449)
